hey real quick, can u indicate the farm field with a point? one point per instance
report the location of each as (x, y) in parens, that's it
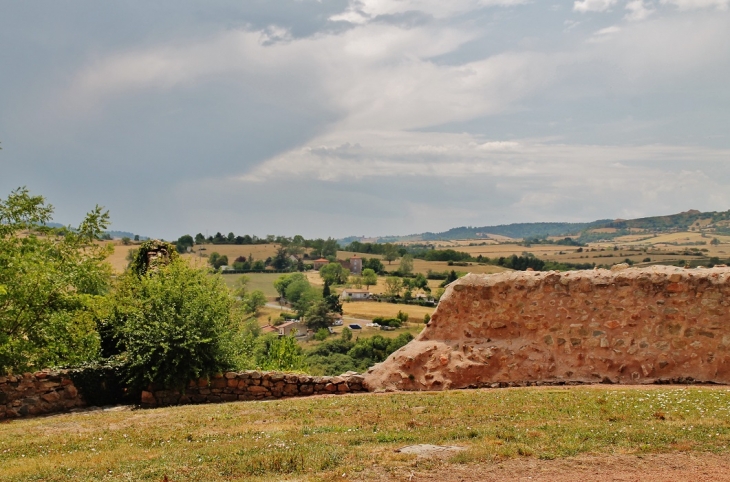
(257, 281)
(355, 437)
(371, 309)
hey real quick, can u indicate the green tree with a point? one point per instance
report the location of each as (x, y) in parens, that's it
(393, 286)
(334, 273)
(172, 325)
(279, 353)
(390, 252)
(319, 316)
(283, 282)
(254, 301)
(136, 237)
(406, 265)
(183, 243)
(373, 263)
(50, 286)
(217, 260)
(199, 238)
(346, 334)
(369, 278)
(281, 261)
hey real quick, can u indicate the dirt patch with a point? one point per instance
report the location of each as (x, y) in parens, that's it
(428, 450)
(651, 468)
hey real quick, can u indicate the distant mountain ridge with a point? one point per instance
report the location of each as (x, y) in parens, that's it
(713, 221)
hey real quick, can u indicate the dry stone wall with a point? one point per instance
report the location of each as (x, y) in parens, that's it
(37, 393)
(254, 385)
(49, 392)
(653, 325)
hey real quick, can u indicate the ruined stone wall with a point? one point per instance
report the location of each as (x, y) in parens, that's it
(254, 385)
(53, 392)
(37, 393)
(654, 325)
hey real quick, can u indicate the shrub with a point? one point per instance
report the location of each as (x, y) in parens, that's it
(321, 334)
(171, 325)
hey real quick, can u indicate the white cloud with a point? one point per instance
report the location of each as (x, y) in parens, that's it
(360, 11)
(637, 11)
(359, 155)
(593, 5)
(698, 4)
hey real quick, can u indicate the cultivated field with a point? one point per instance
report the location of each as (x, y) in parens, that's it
(356, 437)
(371, 309)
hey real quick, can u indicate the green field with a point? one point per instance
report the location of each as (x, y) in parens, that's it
(257, 281)
(325, 437)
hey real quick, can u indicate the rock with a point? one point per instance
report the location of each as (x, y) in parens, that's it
(148, 398)
(536, 329)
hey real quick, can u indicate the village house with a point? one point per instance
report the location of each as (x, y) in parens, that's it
(318, 263)
(356, 295)
(292, 328)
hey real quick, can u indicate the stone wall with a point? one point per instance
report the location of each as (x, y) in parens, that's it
(37, 393)
(654, 325)
(254, 385)
(53, 392)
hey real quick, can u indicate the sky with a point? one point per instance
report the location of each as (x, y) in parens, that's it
(365, 117)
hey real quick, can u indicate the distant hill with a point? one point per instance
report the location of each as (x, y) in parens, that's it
(718, 222)
(113, 234)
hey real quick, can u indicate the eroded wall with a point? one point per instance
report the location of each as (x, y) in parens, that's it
(658, 324)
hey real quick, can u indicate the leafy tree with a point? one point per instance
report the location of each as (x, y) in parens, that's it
(420, 282)
(136, 237)
(450, 278)
(50, 286)
(183, 243)
(231, 238)
(369, 278)
(426, 318)
(199, 238)
(406, 265)
(281, 261)
(333, 303)
(393, 286)
(283, 282)
(217, 260)
(279, 353)
(296, 290)
(126, 241)
(319, 316)
(346, 334)
(172, 325)
(334, 273)
(254, 301)
(326, 289)
(321, 334)
(374, 264)
(390, 252)
(715, 241)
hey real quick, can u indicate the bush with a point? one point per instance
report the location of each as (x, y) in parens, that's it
(321, 334)
(171, 325)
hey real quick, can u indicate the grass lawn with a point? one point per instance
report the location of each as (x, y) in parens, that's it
(325, 437)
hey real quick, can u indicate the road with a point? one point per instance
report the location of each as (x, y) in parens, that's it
(276, 306)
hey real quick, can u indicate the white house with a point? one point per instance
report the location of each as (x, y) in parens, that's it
(292, 328)
(350, 294)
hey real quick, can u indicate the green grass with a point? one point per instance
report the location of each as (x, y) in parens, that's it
(322, 438)
(257, 281)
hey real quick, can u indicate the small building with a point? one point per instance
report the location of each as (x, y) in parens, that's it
(356, 265)
(292, 328)
(318, 263)
(350, 294)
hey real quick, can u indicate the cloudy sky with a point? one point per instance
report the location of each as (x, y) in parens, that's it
(365, 117)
